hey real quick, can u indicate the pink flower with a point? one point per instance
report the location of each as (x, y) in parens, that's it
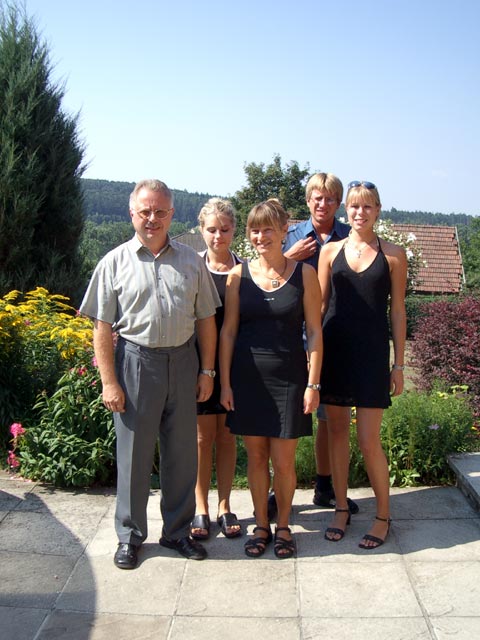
(12, 460)
(82, 371)
(16, 429)
(94, 362)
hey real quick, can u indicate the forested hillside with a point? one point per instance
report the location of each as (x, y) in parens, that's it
(107, 201)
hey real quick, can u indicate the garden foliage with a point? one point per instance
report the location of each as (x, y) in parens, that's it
(446, 346)
(419, 431)
(72, 443)
(49, 384)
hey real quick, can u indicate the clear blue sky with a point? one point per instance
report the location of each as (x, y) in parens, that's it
(190, 91)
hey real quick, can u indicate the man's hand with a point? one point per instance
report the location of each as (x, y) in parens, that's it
(302, 249)
(113, 397)
(204, 387)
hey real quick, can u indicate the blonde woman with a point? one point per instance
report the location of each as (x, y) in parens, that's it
(359, 277)
(217, 224)
(266, 386)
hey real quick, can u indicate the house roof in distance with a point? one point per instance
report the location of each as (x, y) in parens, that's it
(440, 250)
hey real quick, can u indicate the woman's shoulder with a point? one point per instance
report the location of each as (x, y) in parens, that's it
(391, 249)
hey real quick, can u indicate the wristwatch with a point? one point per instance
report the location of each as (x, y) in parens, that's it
(208, 372)
(315, 387)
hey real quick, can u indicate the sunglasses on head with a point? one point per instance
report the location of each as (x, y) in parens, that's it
(357, 183)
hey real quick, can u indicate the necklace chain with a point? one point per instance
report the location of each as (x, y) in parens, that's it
(276, 281)
(358, 252)
(220, 267)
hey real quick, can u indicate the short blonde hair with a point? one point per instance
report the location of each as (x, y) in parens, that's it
(270, 212)
(360, 192)
(217, 206)
(324, 182)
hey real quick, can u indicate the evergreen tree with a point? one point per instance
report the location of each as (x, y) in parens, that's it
(41, 216)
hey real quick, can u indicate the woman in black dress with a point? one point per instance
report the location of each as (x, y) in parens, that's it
(266, 385)
(217, 224)
(358, 277)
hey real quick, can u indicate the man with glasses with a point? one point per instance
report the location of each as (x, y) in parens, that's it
(153, 293)
(324, 193)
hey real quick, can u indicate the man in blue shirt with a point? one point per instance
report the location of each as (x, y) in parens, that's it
(324, 193)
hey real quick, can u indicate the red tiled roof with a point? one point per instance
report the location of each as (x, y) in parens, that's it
(440, 250)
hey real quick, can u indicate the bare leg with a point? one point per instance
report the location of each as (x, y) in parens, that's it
(206, 433)
(369, 422)
(284, 479)
(339, 440)
(258, 453)
(225, 459)
(322, 457)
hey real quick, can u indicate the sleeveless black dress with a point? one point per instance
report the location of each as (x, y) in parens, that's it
(269, 367)
(356, 370)
(212, 405)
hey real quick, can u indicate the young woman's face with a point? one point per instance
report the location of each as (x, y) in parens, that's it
(361, 214)
(218, 231)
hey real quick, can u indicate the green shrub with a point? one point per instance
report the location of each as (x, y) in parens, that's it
(73, 441)
(41, 336)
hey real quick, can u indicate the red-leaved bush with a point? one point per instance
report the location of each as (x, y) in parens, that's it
(446, 346)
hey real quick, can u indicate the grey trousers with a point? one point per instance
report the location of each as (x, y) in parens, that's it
(159, 386)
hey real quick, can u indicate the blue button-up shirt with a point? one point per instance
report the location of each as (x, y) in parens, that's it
(306, 229)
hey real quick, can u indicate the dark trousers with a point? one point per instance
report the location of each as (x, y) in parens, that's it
(159, 386)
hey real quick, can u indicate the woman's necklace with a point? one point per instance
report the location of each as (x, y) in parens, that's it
(358, 250)
(276, 281)
(223, 266)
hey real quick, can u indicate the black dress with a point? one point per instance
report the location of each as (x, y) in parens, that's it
(269, 367)
(212, 405)
(356, 371)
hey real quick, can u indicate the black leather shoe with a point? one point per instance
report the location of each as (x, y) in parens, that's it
(187, 547)
(326, 499)
(126, 556)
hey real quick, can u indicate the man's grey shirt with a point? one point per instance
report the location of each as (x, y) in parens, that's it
(152, 301)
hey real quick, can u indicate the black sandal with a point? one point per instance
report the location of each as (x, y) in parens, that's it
(336, 530)
(201, 521)
(255, 547)
(378, 541)
(228, 520)
(283, 548)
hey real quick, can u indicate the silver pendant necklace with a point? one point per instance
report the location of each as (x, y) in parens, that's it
(276, 281)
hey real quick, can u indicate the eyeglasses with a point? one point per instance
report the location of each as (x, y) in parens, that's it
(158, 214)
(326, 199)
(357, 183)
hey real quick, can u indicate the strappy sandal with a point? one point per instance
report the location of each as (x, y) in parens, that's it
(377, 541)
(283, 548)
(227, 521)
(335, 530)
(255, 547)
(201, 521)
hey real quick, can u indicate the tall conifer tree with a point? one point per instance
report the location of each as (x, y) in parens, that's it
(41, 216)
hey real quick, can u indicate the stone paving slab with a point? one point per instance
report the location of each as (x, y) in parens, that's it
(83, 626)
(366, 629)
(353, 590)
(58, 580)
(33, 580)
(448, 588)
